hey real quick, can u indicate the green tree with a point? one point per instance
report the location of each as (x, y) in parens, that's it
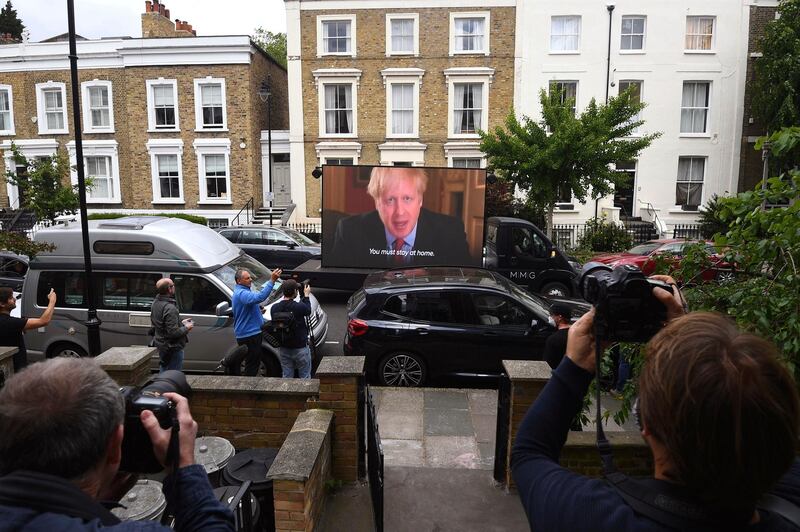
(46, 189)
(9, 22)
(777, 83)
(567, 152)
(273, 44)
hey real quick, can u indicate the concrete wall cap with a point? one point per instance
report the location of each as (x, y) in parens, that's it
(341, 366)
(300, 451)
(122, 358)
(262, 385)
(626, 438)
(7, 352)
(527, 370)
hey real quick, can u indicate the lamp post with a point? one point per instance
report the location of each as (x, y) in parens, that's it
(264, 93)
(92, 321)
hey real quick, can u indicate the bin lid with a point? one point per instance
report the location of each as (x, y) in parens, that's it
(251, 465)
(143, 502)
(213, 453)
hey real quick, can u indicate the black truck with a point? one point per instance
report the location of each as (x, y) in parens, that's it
(514, 248)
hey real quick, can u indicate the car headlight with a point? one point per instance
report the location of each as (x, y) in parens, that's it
(575, 265)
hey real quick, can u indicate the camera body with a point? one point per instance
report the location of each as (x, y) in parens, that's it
(626, 309)
(137, 448)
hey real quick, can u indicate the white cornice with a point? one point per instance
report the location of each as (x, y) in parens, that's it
(402, 72)
(403, 146)
(342, 73)
(485, 72)
(320, 5)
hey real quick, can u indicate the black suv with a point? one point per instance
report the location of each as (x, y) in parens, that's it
(416, 324)
(274, 247)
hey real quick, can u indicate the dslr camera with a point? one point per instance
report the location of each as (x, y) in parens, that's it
(137, 448)
(626, 310)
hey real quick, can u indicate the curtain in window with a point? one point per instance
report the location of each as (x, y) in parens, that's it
(5, 111)
(469, 34)
(403, 35)
(216, 184)
(168, 176)
(564, 32)
(467, 107)
(689, 186)
(98, 103)
(337, 36)
(338, 109)
(162, 96)
(402, 109)
(54, 109)
(694, 107)
(98, 168)
(699, 31)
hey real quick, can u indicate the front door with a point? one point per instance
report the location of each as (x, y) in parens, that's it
(623, 195)
(22, 177)
(281, 181)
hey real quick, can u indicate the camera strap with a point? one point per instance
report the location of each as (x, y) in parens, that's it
(173, 452)
(603, 445)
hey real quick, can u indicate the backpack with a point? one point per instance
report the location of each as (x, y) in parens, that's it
(279, 330)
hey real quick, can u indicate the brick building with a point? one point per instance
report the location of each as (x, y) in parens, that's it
(170, 121)
(394, 82)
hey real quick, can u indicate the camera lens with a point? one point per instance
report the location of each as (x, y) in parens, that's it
(169, 381)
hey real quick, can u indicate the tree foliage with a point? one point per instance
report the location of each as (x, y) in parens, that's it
(20, 244)
(709, 218)
(777, 83)
(9, 22)
(45, 189)
(273, 44)
(566, 152)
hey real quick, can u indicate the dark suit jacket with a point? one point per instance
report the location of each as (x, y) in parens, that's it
(438, 233)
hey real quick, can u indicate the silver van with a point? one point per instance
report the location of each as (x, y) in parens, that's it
(128, 256)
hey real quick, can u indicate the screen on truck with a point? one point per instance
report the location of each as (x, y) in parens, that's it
(399, 216)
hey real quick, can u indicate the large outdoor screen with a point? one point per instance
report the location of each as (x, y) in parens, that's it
(397, 216)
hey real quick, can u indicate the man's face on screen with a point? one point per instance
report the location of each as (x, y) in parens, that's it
(399, 205)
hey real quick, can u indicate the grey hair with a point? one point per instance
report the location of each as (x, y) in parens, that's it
(57, 416)
(238, 275)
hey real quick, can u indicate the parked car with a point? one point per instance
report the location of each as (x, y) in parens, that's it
(645, 255)
(416, 324)
(273, 246)
(13, 269)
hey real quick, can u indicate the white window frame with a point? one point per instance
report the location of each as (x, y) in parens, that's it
(337, 150)
(636, 132)
(337, 76)
(321, 34)
(41, 113)
(156, 147)
(402, 16)
(463, 150)
(393, 76)
(198, 103)
(203, 147)
(483, 75)
(98, 148)
(577, 90)
(577, 49)
(485, 15)
(702, 183)
(30, 148)
(644, 35)
(87, 110)
(151, 111)
(711, 50)
(10, 92)
(707, 132)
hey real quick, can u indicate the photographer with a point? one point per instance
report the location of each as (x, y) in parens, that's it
(294, 351)
(61, 432)
(718, 411)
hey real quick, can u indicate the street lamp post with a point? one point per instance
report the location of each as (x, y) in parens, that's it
(264, 93)
(92, 321)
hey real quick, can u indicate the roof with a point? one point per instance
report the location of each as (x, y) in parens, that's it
(440, 275)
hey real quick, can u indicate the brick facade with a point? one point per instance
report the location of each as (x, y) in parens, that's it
(434, 58)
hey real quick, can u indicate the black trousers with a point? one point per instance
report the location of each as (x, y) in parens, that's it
(253, 359)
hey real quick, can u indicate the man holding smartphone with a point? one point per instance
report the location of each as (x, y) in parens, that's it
(171, 334)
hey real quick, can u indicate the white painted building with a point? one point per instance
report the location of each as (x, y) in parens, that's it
(689, 58)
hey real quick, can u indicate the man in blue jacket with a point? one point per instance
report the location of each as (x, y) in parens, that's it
(61, 432)
(248, 318)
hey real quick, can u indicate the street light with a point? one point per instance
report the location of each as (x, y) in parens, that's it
(264, 93)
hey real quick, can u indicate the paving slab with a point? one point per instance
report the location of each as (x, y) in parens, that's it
(451, 452)
(448, 423)
(400, 425)
(485, 427)
(483, 401)
(446, 400)
(348, 507)
(401, 400)
(407, 453)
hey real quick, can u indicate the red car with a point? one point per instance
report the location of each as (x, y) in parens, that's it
(644, 257)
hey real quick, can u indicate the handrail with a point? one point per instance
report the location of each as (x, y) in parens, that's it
(248, 210)
(660, 225)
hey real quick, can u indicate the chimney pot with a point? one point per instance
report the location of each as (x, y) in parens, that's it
(161, 9)
(166, 13)
(148, 6)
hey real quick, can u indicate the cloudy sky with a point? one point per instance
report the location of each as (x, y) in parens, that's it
(112, 18)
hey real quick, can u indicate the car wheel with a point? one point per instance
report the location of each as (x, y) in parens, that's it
(66, 350)
(402, 369)
(725, 276)
(555, 290)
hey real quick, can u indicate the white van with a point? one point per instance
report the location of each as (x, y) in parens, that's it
(128, 256)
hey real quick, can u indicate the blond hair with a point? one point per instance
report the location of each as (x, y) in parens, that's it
(380, 174)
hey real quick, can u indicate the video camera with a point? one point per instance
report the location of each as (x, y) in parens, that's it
(626, 309)
(137, 448)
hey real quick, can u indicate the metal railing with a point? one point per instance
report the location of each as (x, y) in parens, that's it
(311, 230)
(687, 231)
(569, 236)
(247, 211)
(374, 462)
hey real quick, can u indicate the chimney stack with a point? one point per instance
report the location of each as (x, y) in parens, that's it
(148, 6)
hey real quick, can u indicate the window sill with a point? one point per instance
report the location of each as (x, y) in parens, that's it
(564, 52)
(678, 210)
(7, 133)
(214, 202)
(464, 136)
(337, 54)
(700, 52)
(176, 130)
(104, 201)
(402, 54)
(632, 52)
(54, 132)
(412, 136)
(212, 130)
(338, 136)
(98, 131)
(168, 202)
(695, 135)
(469, 52)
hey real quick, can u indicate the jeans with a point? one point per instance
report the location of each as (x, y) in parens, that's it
(623, 374)
(174, 360)
(253, 359)
(295, 357)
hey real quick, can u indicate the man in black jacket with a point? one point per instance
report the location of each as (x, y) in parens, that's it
(171, 334)
(61, 432)
(294, 350)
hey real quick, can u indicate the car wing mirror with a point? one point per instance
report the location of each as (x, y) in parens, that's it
(291, 245)
(532, 328)
(223, 309)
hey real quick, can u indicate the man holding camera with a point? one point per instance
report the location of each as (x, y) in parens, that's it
(61, 433)
(719, 412)
(12, 328)
(171, 334)
(248, 318)
(294, 350)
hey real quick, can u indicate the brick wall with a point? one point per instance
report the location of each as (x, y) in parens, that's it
(433, 58)
(6, 363)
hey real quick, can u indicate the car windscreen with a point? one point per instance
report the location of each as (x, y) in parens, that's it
(301, 239)
(644, 249)
(533, 302)
(258, 271)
